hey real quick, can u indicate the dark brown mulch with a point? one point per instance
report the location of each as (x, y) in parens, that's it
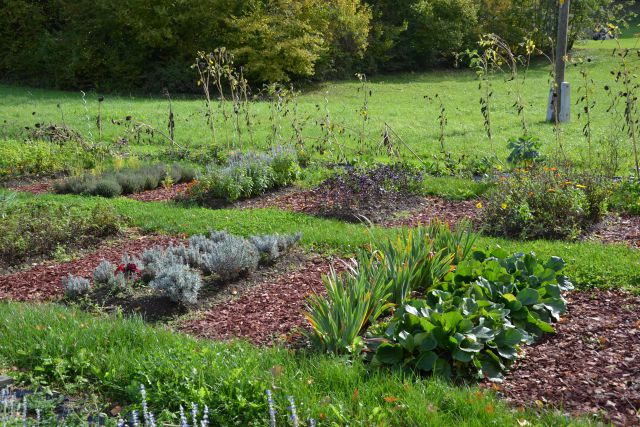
(621, 228)
(451, 211)
(270, 311)
(43, 282)
(408, 211)
(592, 364)
(161, 194)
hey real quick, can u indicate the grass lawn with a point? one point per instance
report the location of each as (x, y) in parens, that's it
(112, 356)
(397, 100)
(590, 264)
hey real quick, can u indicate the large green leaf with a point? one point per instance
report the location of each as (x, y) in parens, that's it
(528, 296)
(390, 354)
(426, 361)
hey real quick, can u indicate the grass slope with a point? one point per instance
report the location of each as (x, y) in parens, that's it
(112, 356)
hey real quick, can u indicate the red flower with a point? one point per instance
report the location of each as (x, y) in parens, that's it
(132, 268)
(120, 269)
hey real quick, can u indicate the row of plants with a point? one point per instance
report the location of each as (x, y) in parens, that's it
(42, 158)
(39, 228)
(431, 302)
(179, 271)
(245, 175)
(126, 181)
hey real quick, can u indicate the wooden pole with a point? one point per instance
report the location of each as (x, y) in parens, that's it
(562, 111)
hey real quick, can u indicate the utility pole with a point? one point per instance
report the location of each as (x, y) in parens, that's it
(559, 97)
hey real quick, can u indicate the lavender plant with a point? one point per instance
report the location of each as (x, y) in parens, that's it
(75, 287)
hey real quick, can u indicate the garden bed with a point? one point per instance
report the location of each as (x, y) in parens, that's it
(43, 281)
(591, 365)
(269, 312)
(214, 295)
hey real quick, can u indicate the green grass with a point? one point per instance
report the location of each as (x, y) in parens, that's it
(397, 100)
(111, 356)
(590, 264)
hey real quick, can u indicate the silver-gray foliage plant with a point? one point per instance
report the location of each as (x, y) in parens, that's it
(104, 273)
(179, 282)
(75, 286)
(273, 246)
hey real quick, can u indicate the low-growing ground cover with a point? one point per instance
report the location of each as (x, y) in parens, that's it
(36, 228)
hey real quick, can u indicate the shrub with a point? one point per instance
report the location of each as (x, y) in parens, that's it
(222, 255)
(371, 193)
(107, 188)
(230, 258)
(36, 228)
(75, 287)
(125, 181)
(178, 282)
(542, 203)
(245, 175)
(626, 197)
(273, 246)
(85, 184)
(18, 158)
(104, 273)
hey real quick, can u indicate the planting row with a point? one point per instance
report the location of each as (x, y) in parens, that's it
(126, 181)
(179, 272)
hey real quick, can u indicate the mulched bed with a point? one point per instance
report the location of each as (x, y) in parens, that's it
(271, 311)
(161, 194)
(592, 364)
(409, 211)
(451, 211)
(622, 228)
(43, 281)
(34, 186)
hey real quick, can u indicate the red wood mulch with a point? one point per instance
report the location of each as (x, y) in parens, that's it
(592, 364)
(619, 229)
(43, 282)
(161, 194)
(40, 186)
(451, 211)
(268, 311)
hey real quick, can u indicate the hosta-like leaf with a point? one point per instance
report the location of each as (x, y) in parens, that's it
(390, 354)
(528, 296)
(556, 264)
(426, 361)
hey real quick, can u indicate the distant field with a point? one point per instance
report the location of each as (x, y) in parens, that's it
(397, 100)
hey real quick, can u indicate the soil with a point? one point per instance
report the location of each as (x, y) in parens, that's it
(43, 281)
(621, 228)
(590, 366)
(34, 185)
(268, 313)
(401, 211)
(161, 194)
